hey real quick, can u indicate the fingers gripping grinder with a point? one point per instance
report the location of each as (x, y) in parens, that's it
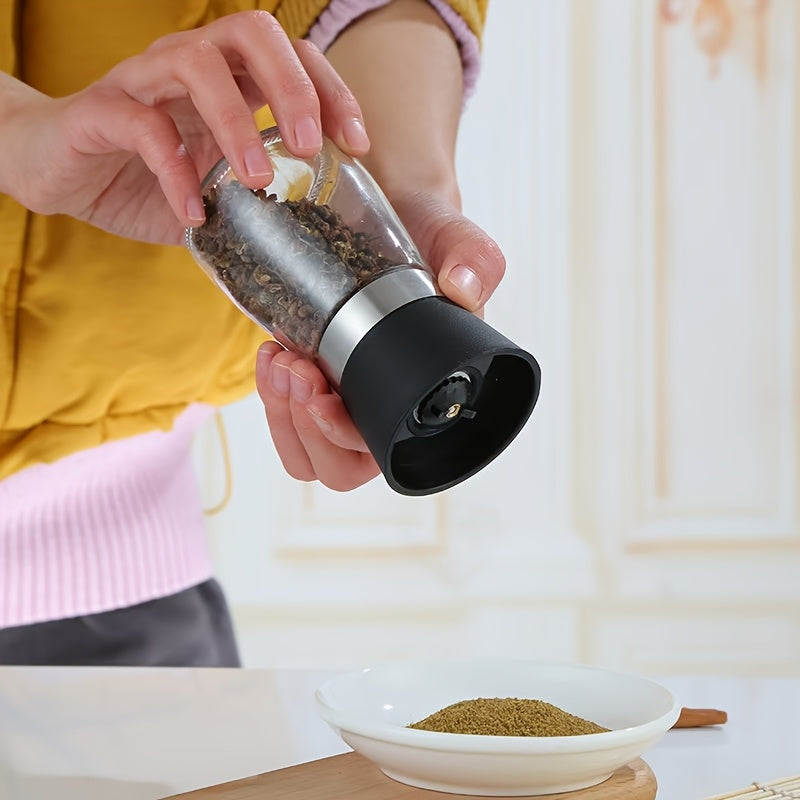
(321, 261)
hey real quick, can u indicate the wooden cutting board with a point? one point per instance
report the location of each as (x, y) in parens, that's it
(351, 777)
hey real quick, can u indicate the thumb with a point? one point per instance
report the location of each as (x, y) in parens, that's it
(468, 262)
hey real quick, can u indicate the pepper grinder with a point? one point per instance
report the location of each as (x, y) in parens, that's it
(321, 261)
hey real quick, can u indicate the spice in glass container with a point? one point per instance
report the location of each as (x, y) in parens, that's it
(290, 264)
(507, 716)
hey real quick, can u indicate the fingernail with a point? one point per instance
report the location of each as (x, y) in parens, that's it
(467, 282)
(256, 162)
(264, 357)
(194, 209)
(300, 387)
(322, 423)
(279, 376)
(306, 133)
(355, 135)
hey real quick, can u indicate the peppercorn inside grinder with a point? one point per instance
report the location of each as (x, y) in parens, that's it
(321, 261)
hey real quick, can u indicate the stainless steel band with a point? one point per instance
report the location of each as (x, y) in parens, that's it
(364, 310)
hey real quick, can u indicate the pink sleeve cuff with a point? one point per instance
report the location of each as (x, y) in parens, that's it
(340, 13)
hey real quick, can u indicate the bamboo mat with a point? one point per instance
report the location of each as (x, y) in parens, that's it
(783, 789)
(351, 777)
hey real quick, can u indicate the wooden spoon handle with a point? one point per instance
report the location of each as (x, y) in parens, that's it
(700, 717)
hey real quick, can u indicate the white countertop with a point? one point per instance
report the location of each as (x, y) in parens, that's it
(140, 734)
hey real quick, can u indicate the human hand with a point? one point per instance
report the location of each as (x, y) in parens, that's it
(313, 434)
(128, 152)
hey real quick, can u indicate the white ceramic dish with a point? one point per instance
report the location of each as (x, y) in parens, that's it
(371, 708)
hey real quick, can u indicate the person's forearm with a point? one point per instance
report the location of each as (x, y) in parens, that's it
(403, 64)
(14, 97)
(13, 94)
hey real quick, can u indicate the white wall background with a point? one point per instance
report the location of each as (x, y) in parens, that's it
(645, 193)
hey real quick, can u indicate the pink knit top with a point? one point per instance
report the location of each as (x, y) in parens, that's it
(104, 528)
(122, 523)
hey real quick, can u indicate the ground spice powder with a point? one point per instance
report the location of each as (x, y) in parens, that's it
(506, 716)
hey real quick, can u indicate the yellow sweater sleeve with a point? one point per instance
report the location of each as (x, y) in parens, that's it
(298, 16)
(473, 12)
(8, 27)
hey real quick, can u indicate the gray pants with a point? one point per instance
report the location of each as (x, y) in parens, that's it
(190, 629)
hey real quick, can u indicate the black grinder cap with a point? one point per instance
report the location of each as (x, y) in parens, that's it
(437, 394)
